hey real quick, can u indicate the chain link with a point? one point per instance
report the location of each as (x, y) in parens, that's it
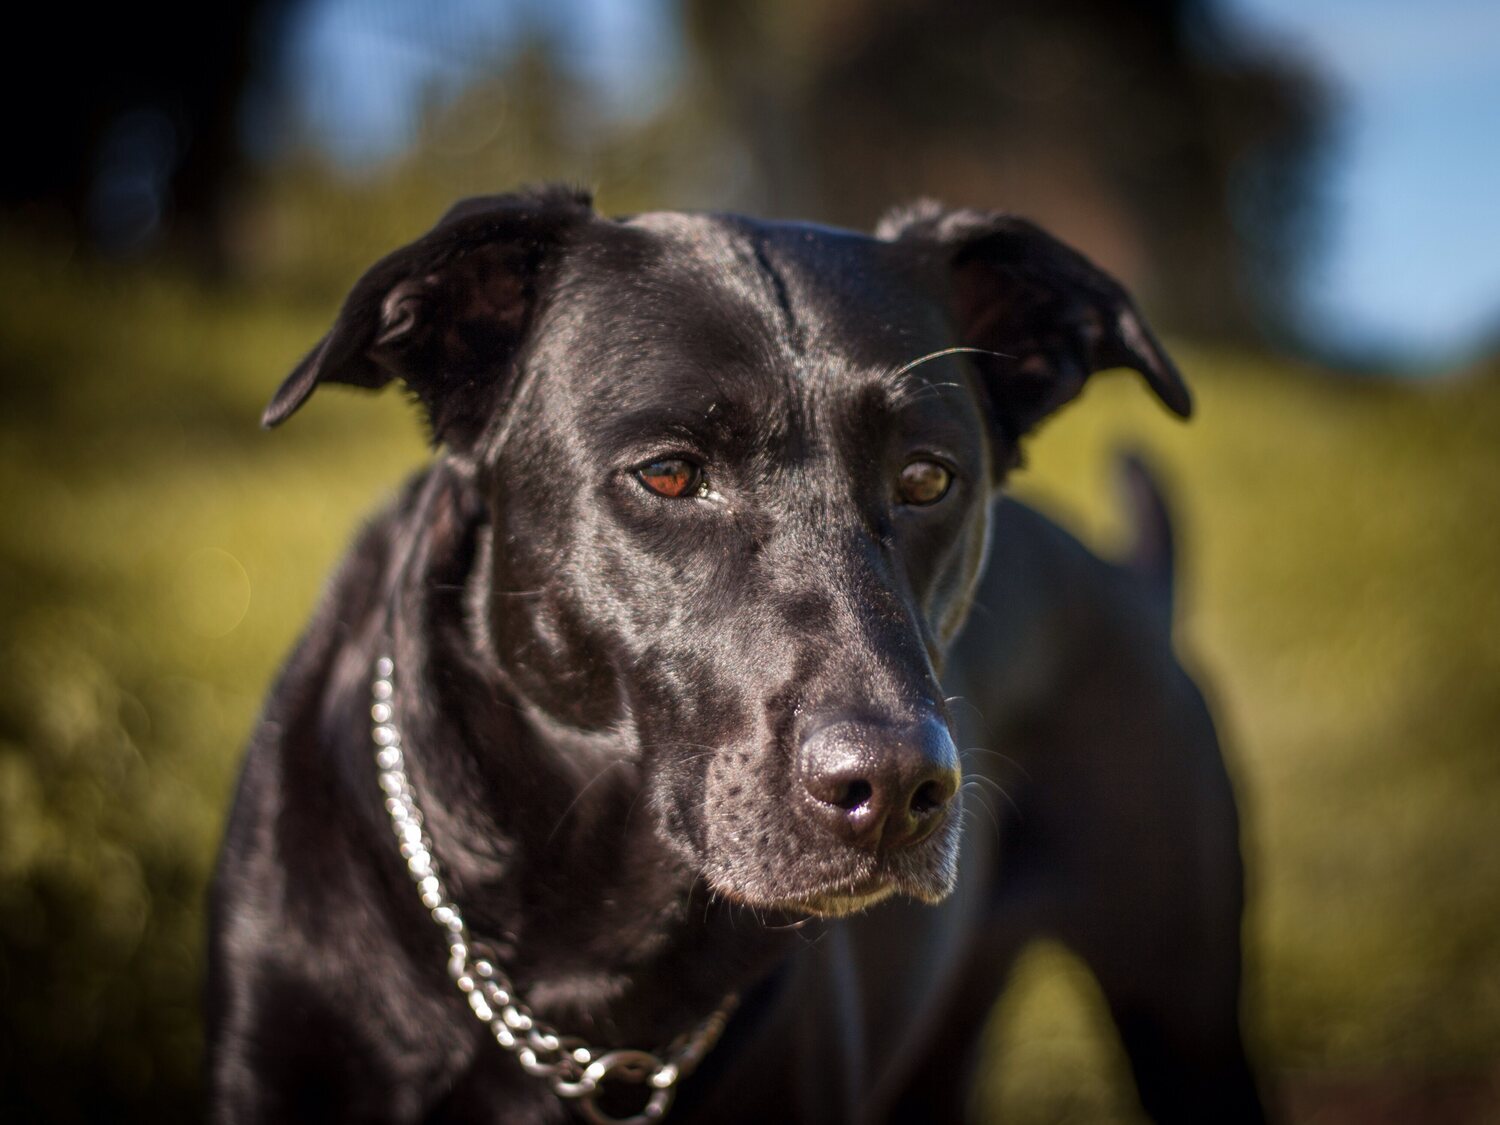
(574, 1070)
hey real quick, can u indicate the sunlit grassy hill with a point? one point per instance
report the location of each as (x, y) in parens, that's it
(159, 554)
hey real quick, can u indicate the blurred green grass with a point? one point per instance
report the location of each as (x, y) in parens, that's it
(159, 555)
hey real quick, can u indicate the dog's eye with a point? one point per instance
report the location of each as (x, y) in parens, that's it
(923, 482)
(672, 477)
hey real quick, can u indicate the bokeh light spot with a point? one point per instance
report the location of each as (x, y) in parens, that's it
(213, 592)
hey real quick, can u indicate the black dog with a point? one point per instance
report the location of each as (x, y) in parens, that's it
(654, 648)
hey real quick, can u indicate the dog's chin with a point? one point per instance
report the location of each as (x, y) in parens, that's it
(834, 884)
(833, 904)
(842, 900)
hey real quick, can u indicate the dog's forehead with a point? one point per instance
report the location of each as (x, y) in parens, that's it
(814, 294)
(697, 304)
(825, 285)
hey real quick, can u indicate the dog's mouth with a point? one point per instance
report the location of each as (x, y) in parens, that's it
(843, 902)
(845, 899)
(925, 874)
(929, 887)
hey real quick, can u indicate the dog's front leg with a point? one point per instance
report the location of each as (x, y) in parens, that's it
(1161, 932)
(1180, 1030)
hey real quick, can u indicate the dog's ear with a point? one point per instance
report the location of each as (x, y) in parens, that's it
(446, 314)
(1053, 316)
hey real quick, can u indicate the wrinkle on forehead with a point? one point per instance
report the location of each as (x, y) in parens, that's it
(767, 317)
(820, 284)
(732, 255)
(699, 299)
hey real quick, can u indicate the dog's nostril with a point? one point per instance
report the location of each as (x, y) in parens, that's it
(854, 794)
(879, 785)
(929, 795)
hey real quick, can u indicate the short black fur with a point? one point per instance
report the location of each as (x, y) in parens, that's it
(676, 748)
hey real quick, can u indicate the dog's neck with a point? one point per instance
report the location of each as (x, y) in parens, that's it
(537, 822)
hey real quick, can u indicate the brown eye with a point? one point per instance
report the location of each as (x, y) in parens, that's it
(924, 482)
(672, 477)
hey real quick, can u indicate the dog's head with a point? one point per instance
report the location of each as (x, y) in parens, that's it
(739, 478)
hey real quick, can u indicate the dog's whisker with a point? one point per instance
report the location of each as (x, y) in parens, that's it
(966, 818)
(1006, 758)
(579, 795)
(903, 391)
(786, 927)
(908, 395)
(967, 703)
(999, 789)
(980, 779)
(912, 365)
(676, 743)
(994, 820)
(630, 812)
(978, 794)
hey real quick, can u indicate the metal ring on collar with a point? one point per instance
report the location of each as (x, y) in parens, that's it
(638, 1067)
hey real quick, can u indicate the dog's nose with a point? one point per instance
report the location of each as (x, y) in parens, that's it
(880, 786)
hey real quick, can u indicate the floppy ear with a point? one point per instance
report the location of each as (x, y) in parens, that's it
(447, 314)
(1054, 316)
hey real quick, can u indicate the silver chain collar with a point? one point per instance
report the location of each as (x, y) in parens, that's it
(575, 1071)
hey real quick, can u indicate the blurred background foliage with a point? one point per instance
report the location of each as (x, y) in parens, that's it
(183, 230)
